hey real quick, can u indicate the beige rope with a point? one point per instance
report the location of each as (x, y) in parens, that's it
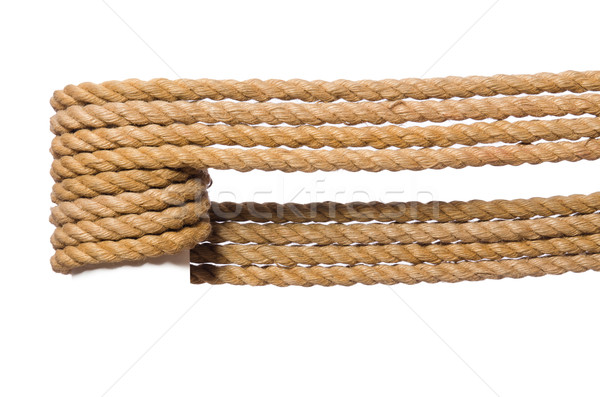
(263, 254)
(130, 226)
(153, 135)
(389, 233)
(106, 206)
(459, 211)
(130, 162)
(113, 183)
(323, 91)
(143, 113)
(449, 272)
(128, 237)
(305, 160)
(171, 242)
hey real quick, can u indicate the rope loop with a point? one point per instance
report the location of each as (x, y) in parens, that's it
(131, 162)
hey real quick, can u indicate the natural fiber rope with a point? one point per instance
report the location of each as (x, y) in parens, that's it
(141, 113)
(112, 183)
(404, 233)
(391, 253)
(105, 206)
(153, 135)
(454, 211)
(449, 272)
(341, 234)
(323, 91)
(130, 163)
(306, 160)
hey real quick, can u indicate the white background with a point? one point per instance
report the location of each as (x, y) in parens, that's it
(146, 331)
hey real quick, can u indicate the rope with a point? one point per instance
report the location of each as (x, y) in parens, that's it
(139, 113)
(105, 206)
(393, 274)
(112, 183)
(306, 160)
(404, 233)
(131, 158)
(390, 253)
(454, 211)
(153, 135)
(323, 91)
(130, 226)
(151, 245)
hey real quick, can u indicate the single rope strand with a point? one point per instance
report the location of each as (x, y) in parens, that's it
(440, 211)
(528, 131)
(405, 233)
(105, 206)
(323, 91)
(307, 160)
(393, 274)
(397, 112)
(264, 254)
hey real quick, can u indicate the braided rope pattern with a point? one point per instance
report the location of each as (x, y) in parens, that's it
(130, 162)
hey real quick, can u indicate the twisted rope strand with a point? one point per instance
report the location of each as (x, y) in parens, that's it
(307, 160)
(260, 254)
(130, 226)
(132, 236)
(440, 211)
(113, 183)
(158, 112)
(323, 91)
(405, 233)
(130, 162)
(529, 131)
(393, 274)
(171, 242)
(106, 206)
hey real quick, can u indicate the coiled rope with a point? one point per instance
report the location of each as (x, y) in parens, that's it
(131, 159)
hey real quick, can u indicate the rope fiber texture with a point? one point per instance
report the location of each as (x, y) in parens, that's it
(131, 181)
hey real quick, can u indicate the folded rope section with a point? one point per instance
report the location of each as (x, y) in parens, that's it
(131, 182)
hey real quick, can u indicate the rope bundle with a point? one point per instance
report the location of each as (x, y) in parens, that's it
(130, 161)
